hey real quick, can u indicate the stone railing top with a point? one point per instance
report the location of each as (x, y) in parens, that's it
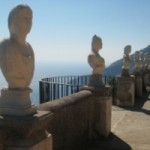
(66, 101)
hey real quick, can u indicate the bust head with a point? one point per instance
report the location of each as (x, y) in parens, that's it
(127, 49)
(136, 55)
(20, 20)
(96, 43)
(146, 56)
(142, 56)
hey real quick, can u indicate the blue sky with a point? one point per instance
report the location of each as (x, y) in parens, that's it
(62, 29)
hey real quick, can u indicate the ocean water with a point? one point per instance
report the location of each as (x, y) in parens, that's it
(45, 70)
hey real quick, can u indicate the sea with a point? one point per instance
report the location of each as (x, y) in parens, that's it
(51, 69)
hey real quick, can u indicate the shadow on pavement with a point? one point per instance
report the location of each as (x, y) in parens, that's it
(111, 143)
(139, 103)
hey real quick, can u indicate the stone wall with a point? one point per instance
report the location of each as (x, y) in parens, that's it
(79, 118)
(72, 120)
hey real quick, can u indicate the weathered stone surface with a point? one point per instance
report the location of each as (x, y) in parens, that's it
(94, 59)
(101, 91)
(24, 131)
(96, 81)
(125, 91)
(146, 80)
(21, 127)
(79, 118)
(45, 144)
(16, 55)
(125, 73)
(146, 61)
(102, 112)
(17, 64)
(16, 102)
(138, 86)
(102, 115)
(142, 62)
(71, 118)
(126, 61)
(145, 69)
(137, 69)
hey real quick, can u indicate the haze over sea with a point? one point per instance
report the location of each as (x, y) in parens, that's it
(44, 70)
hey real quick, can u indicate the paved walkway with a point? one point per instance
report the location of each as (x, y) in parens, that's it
(130, 128)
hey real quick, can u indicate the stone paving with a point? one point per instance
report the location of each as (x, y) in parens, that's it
(130, 129)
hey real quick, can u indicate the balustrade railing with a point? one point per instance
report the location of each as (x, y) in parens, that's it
(57, 87)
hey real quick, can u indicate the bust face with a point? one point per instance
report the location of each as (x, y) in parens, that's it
(136, 55)
(127, 49)
(97, 44)
(21, 22)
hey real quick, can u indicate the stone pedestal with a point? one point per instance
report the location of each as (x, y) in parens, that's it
(125, 91)
(125, 73)
(101, 123)
(102, 112)
(96, 81)
(146, 80)
(138, 86)
(103, 116)
(25, 133)
(16, 103)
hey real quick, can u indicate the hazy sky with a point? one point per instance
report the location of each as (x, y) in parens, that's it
(62, 29)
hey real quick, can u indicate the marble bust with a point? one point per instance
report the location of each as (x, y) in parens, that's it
(16, 55)
(142, 62)
(146, 61)
(94, 58)
(126, 58)
(126, 61)
(17, 64)
(137, 62)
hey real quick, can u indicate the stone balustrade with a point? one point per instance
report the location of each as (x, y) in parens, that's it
(75, 119)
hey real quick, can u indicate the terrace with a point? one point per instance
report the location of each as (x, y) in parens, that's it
(76, 112)
(74, 116)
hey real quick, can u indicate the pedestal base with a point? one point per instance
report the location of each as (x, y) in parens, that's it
(138, 86)
(125, 91)
(45, 144)
(96, 81)
(146, 80)
(26, 133)
(103, 126)
(125, 73)
(100, 125)
(16, 103)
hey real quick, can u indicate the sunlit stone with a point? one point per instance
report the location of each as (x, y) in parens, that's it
(17, 64)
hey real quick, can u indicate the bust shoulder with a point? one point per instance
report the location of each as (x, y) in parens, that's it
(7, 48)
(5, 45)
(3, 48)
